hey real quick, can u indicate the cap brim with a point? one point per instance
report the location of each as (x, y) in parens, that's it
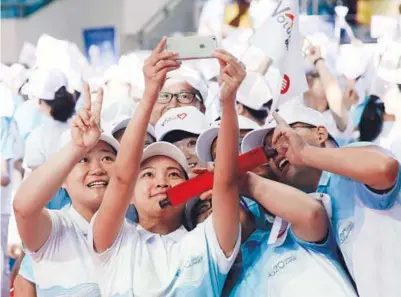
(165, 149)
(110, 140)
(204, 144)
(123, 124)
(254, 139)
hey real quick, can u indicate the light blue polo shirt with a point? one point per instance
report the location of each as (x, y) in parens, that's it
(296, 268)
(367, 228)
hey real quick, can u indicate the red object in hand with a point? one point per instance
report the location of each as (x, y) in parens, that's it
(202, 183)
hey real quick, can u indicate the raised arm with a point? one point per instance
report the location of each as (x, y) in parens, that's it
(331, 88)
(369, 165)
(225, 186)
(110, 216)
(307, 216)
(33, 220)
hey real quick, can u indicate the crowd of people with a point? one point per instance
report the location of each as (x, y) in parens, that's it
(85, 167)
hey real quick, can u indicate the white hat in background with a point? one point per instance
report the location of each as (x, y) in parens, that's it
(44, 83)
(3, 71)
(117, 109)
(292, 113)
(353, 60)
(15, 77)
(254, 91)
(205, 140)
(389, 69)
(188, 119)
(122, 123)
(166, 149)
(106, 137)
(191, 76)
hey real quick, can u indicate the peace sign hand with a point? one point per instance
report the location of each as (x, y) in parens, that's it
(85, 128)
(288, 141)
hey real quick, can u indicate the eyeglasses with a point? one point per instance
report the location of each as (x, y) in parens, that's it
(182, 97)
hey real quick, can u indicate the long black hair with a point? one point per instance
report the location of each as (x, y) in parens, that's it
(63, 105)
(371, 123)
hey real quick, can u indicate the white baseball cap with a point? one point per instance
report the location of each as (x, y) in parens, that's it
(106, 137)
(292, 113)
(188, 119)
(166, 149)
(15, 76)
(254, 91)
(390, 66)
(191, 76)
(44, 83)
(353, 60)
(205, 140)
(122, 123)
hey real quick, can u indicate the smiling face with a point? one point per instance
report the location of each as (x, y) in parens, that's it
(156, 176)
(282, 168)
(87, 182)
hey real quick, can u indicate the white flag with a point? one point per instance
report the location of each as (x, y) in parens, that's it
(294, 81)
(274, 36)
(280, 40)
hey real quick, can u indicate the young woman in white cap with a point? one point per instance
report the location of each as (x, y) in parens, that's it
(139, 259)
(56, 239)
(363, 182)
(49, 88)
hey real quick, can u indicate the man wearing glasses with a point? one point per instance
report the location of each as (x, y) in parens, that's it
(183, 87)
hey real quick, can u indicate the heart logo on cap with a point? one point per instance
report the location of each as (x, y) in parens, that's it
(182, 116)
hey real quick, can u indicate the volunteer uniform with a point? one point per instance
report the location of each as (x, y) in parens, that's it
(44, 140)
(141, 263)
(367, 226)
(63, 265)
(11, 149)
(294, 268)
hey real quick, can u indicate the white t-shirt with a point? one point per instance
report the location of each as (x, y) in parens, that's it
(367, 226)
(141, 263)
(43, 142)
(63, 265)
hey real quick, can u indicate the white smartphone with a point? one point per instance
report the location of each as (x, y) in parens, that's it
(192, 47)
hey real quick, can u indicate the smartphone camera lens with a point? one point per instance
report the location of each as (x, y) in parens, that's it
(202, 46)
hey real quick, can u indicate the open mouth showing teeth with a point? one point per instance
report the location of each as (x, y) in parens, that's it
(97, 184)
(282, 164)
(192, 165)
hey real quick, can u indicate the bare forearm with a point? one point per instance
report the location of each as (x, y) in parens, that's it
(42, 184)
(334, 95)
(225, 188)
(111, 214)
(368, 165)
(281, 200)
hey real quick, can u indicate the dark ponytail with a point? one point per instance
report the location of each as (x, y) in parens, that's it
(63, 105)
(371, 123)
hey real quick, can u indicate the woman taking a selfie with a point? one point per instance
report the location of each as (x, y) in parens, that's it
(153, 258)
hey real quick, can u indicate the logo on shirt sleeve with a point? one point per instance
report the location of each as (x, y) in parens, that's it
(345, 230)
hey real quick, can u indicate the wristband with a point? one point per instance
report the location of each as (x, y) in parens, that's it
(317, 60)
